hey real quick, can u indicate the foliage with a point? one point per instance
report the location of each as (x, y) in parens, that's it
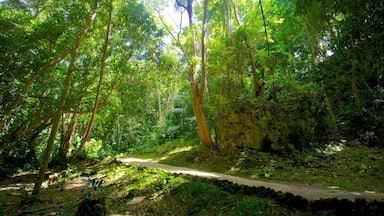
(350, 34)
(300, 75)
(130, 189)
(94, 149)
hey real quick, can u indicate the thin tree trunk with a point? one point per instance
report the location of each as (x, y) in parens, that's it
(63, 98)
(235, 12)
(203, 49)
(31, 139)
(105, 53)
(228, 16)
(256, 82)
(265, 25)
(160, 122)
(355, 90)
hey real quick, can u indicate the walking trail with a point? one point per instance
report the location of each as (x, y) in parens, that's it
(309, 192)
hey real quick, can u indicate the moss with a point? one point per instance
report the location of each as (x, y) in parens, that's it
(276, 124)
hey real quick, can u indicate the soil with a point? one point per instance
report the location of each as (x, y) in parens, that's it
(308, 192)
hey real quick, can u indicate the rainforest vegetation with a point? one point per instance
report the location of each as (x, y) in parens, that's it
(272, 89)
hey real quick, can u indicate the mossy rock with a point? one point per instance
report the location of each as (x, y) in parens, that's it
(269, 126)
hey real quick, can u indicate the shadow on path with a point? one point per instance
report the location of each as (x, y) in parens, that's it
(308, 192)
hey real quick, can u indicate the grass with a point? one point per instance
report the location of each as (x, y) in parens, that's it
(347, 166)
(132, 190)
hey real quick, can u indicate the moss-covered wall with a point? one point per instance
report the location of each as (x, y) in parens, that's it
(272, 124)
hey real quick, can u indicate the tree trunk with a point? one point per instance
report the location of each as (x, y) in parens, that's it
(63, 98)
(355, 90)
(68, 133)
(105, 53)
(160, 122)
(196, 90)
(197, 100)
(31, 139)
(202, 125)
(256, 82)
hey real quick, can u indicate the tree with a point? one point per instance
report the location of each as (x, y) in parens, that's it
(197, 87)
(63, 98)
(105, 53)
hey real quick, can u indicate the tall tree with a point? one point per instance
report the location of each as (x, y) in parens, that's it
(63, 98)
(197, 87)
(103, 62)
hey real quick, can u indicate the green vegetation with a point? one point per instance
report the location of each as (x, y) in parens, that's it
(344, 165)
(131, 190)
(282, 90)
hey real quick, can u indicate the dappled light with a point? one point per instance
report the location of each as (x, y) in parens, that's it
(182, 107)
(172, 169)
(196, 173)
(181, 149)
(332, 148)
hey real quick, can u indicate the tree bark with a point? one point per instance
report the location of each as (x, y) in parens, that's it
(20, 133)
(68, 132)
(63, 98)
(105, 53)
(196, 90)
(265, 25)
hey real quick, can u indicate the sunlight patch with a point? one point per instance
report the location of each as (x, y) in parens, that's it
(332, 148)
(132, 160)
(10, 188)
(177, 150)
(196, 173)
(182, 149)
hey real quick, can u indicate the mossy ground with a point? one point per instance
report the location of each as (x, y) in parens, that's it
(345, 165)
(132, 190)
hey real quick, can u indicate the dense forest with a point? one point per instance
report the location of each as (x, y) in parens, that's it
(89, 78)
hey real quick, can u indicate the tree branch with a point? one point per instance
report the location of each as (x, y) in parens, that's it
(236, 13)
(265, 25)
(178, 3)
(176, 39)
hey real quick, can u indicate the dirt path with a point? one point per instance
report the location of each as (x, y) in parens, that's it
(309, 192)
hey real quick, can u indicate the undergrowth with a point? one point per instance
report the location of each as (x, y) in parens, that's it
(132, 190)
(122, 189)
(343, 165)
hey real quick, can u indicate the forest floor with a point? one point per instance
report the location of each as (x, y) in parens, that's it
(132, 190)
(309, 192)
(345, 165)
(132, 186)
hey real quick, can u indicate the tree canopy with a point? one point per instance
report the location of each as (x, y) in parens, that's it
(94, 78)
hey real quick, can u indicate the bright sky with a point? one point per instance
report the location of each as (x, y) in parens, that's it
(173, 15)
